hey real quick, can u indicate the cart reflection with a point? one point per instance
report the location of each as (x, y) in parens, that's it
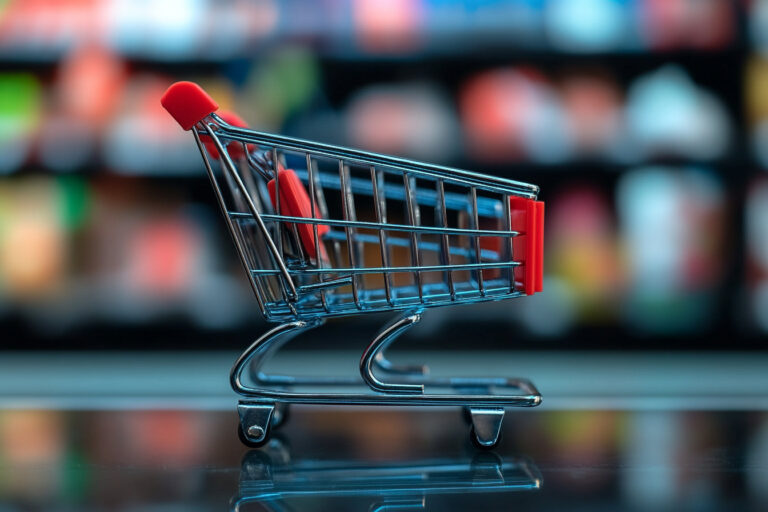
(271, 480)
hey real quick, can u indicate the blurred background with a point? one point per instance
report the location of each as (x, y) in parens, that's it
(645, 122)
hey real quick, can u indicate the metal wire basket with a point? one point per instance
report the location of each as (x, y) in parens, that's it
(327, 231)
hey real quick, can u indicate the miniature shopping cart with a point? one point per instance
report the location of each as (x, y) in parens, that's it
(324, 231)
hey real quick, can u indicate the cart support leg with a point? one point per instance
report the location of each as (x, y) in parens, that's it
(486, 425)
(385, 337)
(259, 351)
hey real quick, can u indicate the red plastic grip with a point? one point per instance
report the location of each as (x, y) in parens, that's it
(188, 103)
(235, 148)
(528, 246)
(295, 202)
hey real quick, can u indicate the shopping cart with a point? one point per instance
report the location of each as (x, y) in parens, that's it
(324, 231)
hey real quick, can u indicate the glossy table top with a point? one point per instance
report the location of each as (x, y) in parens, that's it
(383, 459)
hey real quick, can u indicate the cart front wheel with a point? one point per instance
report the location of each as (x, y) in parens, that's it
(255, 422)
(248, 441)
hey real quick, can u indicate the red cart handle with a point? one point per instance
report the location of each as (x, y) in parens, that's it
(188, 103)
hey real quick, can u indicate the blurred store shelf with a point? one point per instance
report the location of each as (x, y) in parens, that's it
(618, 109)
(215, 30)
(506, 117)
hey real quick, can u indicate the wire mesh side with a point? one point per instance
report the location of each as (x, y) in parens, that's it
(394, 238)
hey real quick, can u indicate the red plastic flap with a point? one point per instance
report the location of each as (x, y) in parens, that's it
(188, 103)
(528, 219)
(235, 148)
(540, 245)
(295, 202)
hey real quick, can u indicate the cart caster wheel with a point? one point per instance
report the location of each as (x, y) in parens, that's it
(255, 422)
(248, 441)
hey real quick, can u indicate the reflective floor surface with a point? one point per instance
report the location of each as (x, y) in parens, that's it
(385, 459)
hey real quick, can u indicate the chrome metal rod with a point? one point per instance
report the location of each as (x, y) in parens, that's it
(424, 197)
(379, 344)
(414, 219)
(476, 241)
(395, 270)
(445, 243)
(220, 200)
(279, 212)
(508, 250)
(367, 158)
(348, 211)
(314, 196)
(526, 395)
(380, 207)
(391, 227)
(259, 166)
(261, 349)
(230, 167)
(424, 246)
